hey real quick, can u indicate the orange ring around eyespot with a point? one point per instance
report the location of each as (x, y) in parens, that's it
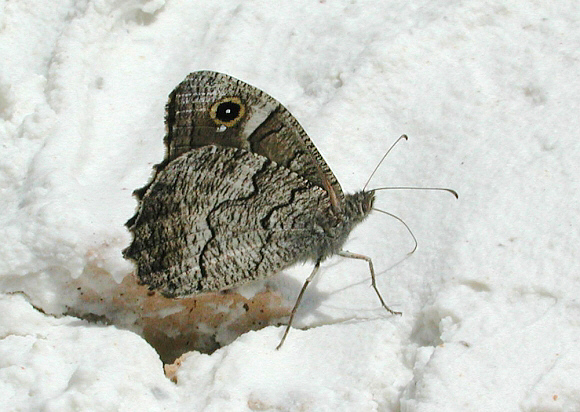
(234, 121)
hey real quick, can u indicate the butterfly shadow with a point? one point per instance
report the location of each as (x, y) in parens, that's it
(309, 310)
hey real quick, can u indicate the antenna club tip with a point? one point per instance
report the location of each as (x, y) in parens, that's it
(404, 136)
(454, 193)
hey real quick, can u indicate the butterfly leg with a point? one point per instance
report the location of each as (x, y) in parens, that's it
(347, 254)
(306, 283)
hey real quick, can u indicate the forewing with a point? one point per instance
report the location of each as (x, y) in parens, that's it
(263, 126)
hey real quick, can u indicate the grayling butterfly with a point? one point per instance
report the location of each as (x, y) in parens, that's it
(241, 194)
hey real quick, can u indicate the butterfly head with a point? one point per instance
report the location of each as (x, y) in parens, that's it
(358, 205)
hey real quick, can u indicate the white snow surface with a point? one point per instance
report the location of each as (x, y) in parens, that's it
(488, 93)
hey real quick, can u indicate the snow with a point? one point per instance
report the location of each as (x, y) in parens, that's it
(488, 93)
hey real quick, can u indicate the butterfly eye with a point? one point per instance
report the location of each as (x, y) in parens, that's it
(228, 111)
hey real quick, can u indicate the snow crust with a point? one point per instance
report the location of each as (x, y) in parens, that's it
(489, 95)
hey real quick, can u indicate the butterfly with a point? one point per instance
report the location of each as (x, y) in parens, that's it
(241, 194)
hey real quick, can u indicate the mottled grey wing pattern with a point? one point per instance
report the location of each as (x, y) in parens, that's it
(218, 217)
(210, 108)
(241, 193)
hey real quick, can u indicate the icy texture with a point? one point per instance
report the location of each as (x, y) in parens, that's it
(489, 94)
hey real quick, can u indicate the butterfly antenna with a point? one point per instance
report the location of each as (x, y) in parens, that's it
(404, 224)
(404, 136)
(444, 189)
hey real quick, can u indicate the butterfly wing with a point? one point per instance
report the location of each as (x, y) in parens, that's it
(210, 108)
(218, 217)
